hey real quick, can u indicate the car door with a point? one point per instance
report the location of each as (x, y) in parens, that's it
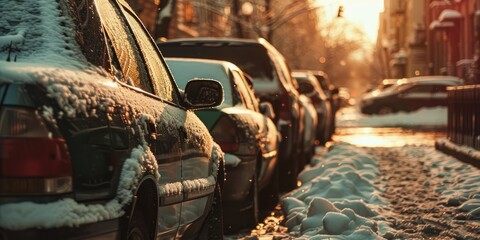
(415, 97)
(267, 131)
(177, 145)
(439, 95)
(146, 76)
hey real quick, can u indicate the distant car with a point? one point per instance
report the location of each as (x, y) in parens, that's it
(331, 91)
(386, 83)
(272, 82)
(96, 140)
(410, 94)
(309, 86)
(247, 135)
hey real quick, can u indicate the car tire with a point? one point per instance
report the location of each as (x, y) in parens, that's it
(385, 110)
(237, 218)
(137, 228)
(269, 196)
(213, 228)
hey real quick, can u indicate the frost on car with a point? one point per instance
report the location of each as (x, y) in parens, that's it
(95, 137)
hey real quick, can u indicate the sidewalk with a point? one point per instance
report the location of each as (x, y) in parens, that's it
(462, 153)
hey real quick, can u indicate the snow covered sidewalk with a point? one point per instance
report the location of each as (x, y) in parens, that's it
(376, 193)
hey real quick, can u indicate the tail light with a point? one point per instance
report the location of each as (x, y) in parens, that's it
(32, 161)
(225, 134)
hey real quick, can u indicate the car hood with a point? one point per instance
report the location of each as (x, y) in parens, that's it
(378, 93)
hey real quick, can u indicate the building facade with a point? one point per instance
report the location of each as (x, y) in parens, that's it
(430, 37)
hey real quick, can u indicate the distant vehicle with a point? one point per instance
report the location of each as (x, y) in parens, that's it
(96, 140)
(386, 83)
(247, 135)
(272, 82)
(309, 86)
(332, 94)
(409, 94)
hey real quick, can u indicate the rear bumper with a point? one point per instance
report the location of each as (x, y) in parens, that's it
(238, 183)
(99, 230)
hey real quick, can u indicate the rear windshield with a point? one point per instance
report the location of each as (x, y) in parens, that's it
(251, 59)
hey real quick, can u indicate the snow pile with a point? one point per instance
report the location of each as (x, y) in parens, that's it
(337, 197)
(352, 117)
(461, 182)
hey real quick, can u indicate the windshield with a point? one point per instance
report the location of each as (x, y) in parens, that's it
(251, 59)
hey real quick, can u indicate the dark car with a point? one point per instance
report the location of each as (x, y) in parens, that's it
(96, 140)
(247, 135)
(309, 86)
(331, 91)
(409, 95)
(272, 82)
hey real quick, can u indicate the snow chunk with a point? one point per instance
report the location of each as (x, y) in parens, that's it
(338, 189)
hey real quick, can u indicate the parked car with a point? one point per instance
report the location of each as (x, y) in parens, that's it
(331, 91)
(245, 131)
(96, 139)
(386, 83)
(309, 86)
(272, 82)
(409, 94)
(305, 153)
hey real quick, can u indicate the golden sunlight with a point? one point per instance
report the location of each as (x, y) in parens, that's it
(365, 13)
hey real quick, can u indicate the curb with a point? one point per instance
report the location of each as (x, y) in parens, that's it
(463, 153)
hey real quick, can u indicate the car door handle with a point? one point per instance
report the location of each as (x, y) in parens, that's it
(152, 130)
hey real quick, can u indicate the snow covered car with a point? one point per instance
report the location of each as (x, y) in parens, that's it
(96, 140)
(409, 94)
(272, 82)
(247, 135)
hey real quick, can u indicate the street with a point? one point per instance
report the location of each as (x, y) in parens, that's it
(414, 180)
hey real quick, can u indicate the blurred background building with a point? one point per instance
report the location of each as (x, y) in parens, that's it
(430, 37)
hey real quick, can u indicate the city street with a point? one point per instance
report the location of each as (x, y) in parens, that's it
(422, 193)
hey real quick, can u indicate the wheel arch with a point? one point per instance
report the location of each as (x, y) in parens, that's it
(144, 200)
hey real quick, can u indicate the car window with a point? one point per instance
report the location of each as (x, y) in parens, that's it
(439, 88)
(252, 59)
(89, 38)
(161, 81)
(427, 89)
(126, 51)
(242, 88)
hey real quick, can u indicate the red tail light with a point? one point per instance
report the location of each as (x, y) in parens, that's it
(31, 160)
(225, 134)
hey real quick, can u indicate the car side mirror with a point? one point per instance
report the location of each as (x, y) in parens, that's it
(266, 109)
(203, 93)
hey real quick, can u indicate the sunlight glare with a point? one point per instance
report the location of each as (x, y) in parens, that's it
(364, 13)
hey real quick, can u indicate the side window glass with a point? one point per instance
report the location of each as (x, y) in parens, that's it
(242, 88)
(126, 51)
(162, 84)
(89, 33)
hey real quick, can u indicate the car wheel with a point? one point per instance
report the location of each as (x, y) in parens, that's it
(385, 110)
(137, 229)
(240, 216)
(213, 228)
(268, 197)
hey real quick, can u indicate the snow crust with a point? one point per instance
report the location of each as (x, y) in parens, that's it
(433, 117)
(337, 198)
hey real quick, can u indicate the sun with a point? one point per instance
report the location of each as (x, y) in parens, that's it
(364, 13)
